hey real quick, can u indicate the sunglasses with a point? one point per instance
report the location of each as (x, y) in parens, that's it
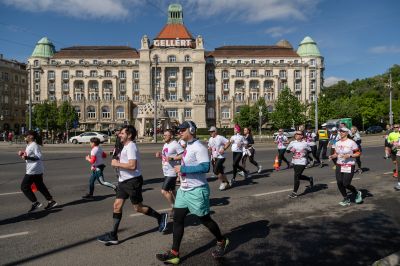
(299, 134)
(182, 130)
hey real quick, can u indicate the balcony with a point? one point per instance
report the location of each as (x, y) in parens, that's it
(297, 77)
(297, 88)
(51, 78)
(172, 76)
(65, 89)
(239, 89)
(312, 88)
(122, 89)
(188, 76)
(171, 88)
(255, 88)
(188, 88)
(283, 76)
(52, 89)
(225, 89)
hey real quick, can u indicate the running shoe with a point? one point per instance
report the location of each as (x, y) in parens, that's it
(50, 205)
(259, 169)
(292, 195)
(345, 202)
(397, 187)
(231, 182)
(223, 186)
(88, 197)
(359, 198)
(168, 258)
(108, 239)
(241, 173)
(35, 206)
(359, 171)
(220, 249)
(162, 224)
(311, 182)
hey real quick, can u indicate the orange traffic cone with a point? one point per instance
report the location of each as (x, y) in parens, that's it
(276, 163)
(395, 174)
(33, 187)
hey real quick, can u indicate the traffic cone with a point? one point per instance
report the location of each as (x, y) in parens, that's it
(276, 163)
(33, 187)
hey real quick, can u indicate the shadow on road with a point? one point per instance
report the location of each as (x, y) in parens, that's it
(315, 188)
(29, 216)
(219, 201)
(139, 235)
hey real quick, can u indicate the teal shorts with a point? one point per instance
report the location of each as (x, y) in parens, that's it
(196, 200)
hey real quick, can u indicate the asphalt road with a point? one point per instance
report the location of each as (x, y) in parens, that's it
(263, 225)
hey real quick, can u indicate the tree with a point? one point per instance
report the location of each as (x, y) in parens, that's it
(289, 111)
(249, 115)
(66, 115)
(44, 115)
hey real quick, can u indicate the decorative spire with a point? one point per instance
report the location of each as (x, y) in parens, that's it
(175, 14)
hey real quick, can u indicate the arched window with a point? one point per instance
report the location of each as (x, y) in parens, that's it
(268, 84)
(78, 111)
(91, 112)
(120, 112)
(225, 111)
(211, 112)
(105, 112)
(171, 58)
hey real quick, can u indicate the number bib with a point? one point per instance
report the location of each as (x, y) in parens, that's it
(345, 168)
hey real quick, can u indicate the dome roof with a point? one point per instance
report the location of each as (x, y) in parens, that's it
(308, 47)
(147, 111)
(285, 44)
(44, 48)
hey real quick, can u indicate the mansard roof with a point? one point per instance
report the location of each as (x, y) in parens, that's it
(97, 52)
(253, 51)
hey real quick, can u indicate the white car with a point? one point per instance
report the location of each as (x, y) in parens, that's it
(85, 137)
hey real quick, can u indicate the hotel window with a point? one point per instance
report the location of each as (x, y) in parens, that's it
(254, 96)
(188, 97)
(120, 112)
(239, 61)
(312, 62)
(188, 113)
(65, 97)
(136, 86)
(225, 86)
(65, 74)
(282, 73)
(225, 74)
(36, 63)
(210, 112)
(210, 97)
(78, 96)
(239, 97)
(253, 61)
(93, 73)
(122, 86)
(105, 112)
(37, 76)
(297, 74)
(224, 61)
(225, 113)
(107, 96)
(188, 73)
(253, 73)
(79, 73)
(171, 58)
(107, 73)
(95, 62)
(78, 111)
(172, 84)
(122, 74)
(267, 61)
(122, 97)
(225, 97)
(65, 86)
(81, 61)
(91, 111)
(172, 96)
(109, 62)
(135, 74)
(51, 75)
(312, 74)
(123, 62)
(281, 61)
(93, 96)
(37, 98)
(172, 113)
(136, 97)
(187, 58)
(239, 73)
(172, 73)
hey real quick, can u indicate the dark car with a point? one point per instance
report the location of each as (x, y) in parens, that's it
(374, 130)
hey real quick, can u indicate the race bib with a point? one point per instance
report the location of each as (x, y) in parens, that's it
(345, 168)
(184, 183)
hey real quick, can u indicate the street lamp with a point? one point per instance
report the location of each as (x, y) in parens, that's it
(260, 117)
(390, 100)
(155, 58)
(29, 102)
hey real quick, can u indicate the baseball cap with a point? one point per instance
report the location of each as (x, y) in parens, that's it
(212, 129)
(344, 129)
(186, 124)
(323, 125)
(334, 129)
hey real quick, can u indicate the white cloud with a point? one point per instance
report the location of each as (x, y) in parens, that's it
(279, 31)
(84, 9)
(385, 49)
(252, 10)
(329, 81)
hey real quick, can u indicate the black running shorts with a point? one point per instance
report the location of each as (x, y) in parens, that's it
(132, 189)
(218, 166)
(169, 183)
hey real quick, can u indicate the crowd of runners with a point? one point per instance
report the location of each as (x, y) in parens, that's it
(186, 161)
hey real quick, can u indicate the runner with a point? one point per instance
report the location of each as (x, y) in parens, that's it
(193, 195)
(392, 138)
(333, 138)
(248, 150)
(34, 171)
(346, 150)
(282, 141)
(357, 139)
(170, 156)
(388, 148)
(311, 137)
(397, 145)
(323, 139)
(237, 141)
(300, 149)
(130, 183)
(96, 159)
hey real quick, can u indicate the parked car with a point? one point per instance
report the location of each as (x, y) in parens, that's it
(85, 137)
(287, 132)
(373, 130)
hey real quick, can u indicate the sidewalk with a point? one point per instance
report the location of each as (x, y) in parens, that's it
(391, 260)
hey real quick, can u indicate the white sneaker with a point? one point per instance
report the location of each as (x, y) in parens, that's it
(259, 169)
(241, 173)
(223, 186)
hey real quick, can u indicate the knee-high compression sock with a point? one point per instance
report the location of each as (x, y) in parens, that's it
(117, 219)
(152, 213)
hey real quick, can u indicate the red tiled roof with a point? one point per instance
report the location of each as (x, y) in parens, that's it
(252, 51)
(97, 52)
(173, 31)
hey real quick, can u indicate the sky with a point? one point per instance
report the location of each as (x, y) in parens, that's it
(358, 38)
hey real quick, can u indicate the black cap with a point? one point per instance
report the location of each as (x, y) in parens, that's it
(187, 124)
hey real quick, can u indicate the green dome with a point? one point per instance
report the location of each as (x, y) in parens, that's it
(44, 48)
(308, 47)
(175, 7)
(175, 14)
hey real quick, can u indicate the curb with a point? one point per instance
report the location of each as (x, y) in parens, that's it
(391, 260)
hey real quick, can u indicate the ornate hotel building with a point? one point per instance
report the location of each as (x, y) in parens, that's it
(173, 74)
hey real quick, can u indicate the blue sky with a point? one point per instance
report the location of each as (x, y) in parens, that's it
(358, 38)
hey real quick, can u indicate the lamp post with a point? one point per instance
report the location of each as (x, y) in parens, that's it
(390, 101)
(155, 58)
(29, 102)
(260, 117)
(316, 99)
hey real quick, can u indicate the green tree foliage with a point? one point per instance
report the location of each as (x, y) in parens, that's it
(49, 115)
(249, 115)
(289, 111)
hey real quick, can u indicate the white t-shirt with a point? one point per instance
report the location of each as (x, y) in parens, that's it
(299, 150)
(182, 143)
(98, 153)
(238, 142)
(195, 154)
(343, 147)
(34, 167)
(310, 137)
(281, 140)
(129, 152)
(217, 146)
(171, 149)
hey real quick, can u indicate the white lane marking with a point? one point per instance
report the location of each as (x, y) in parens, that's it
(10, 193)
(272, 192)
(138, 213)
(15, 234)
(388, 173)
(334, 182)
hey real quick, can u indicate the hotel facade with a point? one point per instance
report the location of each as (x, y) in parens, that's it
(173, 75)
